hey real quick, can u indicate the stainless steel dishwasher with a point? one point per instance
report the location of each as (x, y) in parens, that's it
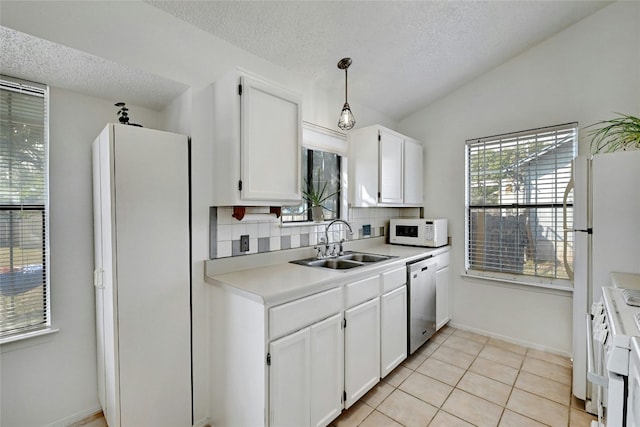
(421, 280)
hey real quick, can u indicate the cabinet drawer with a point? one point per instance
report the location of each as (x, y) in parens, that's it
(362, 290)
(297, 314)
(394, 279)
(443, 260)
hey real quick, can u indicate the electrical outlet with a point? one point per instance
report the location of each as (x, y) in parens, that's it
(366, 230)
(244, 243)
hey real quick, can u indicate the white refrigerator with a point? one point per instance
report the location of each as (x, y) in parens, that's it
(142, 276)
(606, 237)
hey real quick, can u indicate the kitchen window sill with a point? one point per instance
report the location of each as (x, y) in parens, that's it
(303, 224)
(28, 339)
(517, 282)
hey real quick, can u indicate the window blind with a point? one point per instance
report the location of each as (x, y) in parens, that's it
(24, 291)
(515, 202)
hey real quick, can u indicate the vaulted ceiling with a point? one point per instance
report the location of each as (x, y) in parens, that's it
(406, 54)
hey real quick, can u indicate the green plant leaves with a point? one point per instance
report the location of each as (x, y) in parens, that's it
(615, 135)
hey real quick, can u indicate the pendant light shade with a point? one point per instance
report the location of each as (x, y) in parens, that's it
(346, 120)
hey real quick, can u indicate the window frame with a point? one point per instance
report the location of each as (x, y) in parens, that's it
(318, 138)
(556, 282)
(45, 327)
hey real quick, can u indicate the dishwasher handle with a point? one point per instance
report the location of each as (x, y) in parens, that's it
(592, 375)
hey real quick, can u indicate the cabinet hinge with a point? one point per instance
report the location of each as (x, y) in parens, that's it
(379, 137)
(344, 396)
(240, 185)
(344, 323)
(240, 90)
(268, 359)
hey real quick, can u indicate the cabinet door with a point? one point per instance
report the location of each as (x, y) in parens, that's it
(271, 135)
(393, 330)
(391, 165)
(413, 172)
(442, 297)
(289, 379)
(362, 349)
(327, 373)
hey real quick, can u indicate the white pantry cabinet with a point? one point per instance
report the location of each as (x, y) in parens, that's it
(443, 311)
(256, 138)
(142, 277)
(385, 168)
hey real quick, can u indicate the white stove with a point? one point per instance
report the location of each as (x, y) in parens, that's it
(622, 326)
(615, 325)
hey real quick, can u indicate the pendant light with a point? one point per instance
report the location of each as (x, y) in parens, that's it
(346, 120)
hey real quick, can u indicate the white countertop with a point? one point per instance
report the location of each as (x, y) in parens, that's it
(272, 280)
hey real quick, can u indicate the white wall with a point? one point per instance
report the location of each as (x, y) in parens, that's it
(585, 74)
(52, 379)
(161, 44)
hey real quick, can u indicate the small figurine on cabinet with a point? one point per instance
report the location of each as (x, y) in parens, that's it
(123, 115)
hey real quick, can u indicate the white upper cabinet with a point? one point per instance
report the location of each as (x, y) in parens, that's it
(413, 172)
(391, 168)
(257, 134)
(385, 168)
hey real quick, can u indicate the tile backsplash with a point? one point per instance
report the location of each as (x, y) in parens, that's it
(268, 234)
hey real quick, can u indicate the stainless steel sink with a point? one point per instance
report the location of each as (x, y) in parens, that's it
(362, 257)
(343, 262)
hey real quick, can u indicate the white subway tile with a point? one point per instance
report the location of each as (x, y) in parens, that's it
(264, 229)
(238, 230)
(224, 233)
(274, 243)
(224, 249)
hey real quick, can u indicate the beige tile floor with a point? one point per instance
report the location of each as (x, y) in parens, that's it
(459, 378)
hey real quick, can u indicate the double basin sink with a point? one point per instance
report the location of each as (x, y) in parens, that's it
(344, 262)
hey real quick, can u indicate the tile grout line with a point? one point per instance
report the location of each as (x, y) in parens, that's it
(486, 342)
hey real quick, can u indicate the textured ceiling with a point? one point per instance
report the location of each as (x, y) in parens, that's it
(38, 60)
(406, 54)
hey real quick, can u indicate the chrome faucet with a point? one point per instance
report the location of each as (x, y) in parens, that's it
(326, 234)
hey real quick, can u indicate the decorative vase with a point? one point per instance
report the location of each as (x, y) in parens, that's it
(316, 213)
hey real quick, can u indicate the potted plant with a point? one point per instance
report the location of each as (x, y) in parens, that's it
(616, 134)
(316, 198)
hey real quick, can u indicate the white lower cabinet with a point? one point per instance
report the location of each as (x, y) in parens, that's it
(393, 329)
(443, 312)
(290, 379)
(327, 370)
(361, 349)
(306, 375)
(302, 362)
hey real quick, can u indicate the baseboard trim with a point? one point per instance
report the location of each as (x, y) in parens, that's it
(77, 419)
(509, 339)
(203, 422)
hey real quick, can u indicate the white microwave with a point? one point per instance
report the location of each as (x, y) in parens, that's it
(431, 233)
